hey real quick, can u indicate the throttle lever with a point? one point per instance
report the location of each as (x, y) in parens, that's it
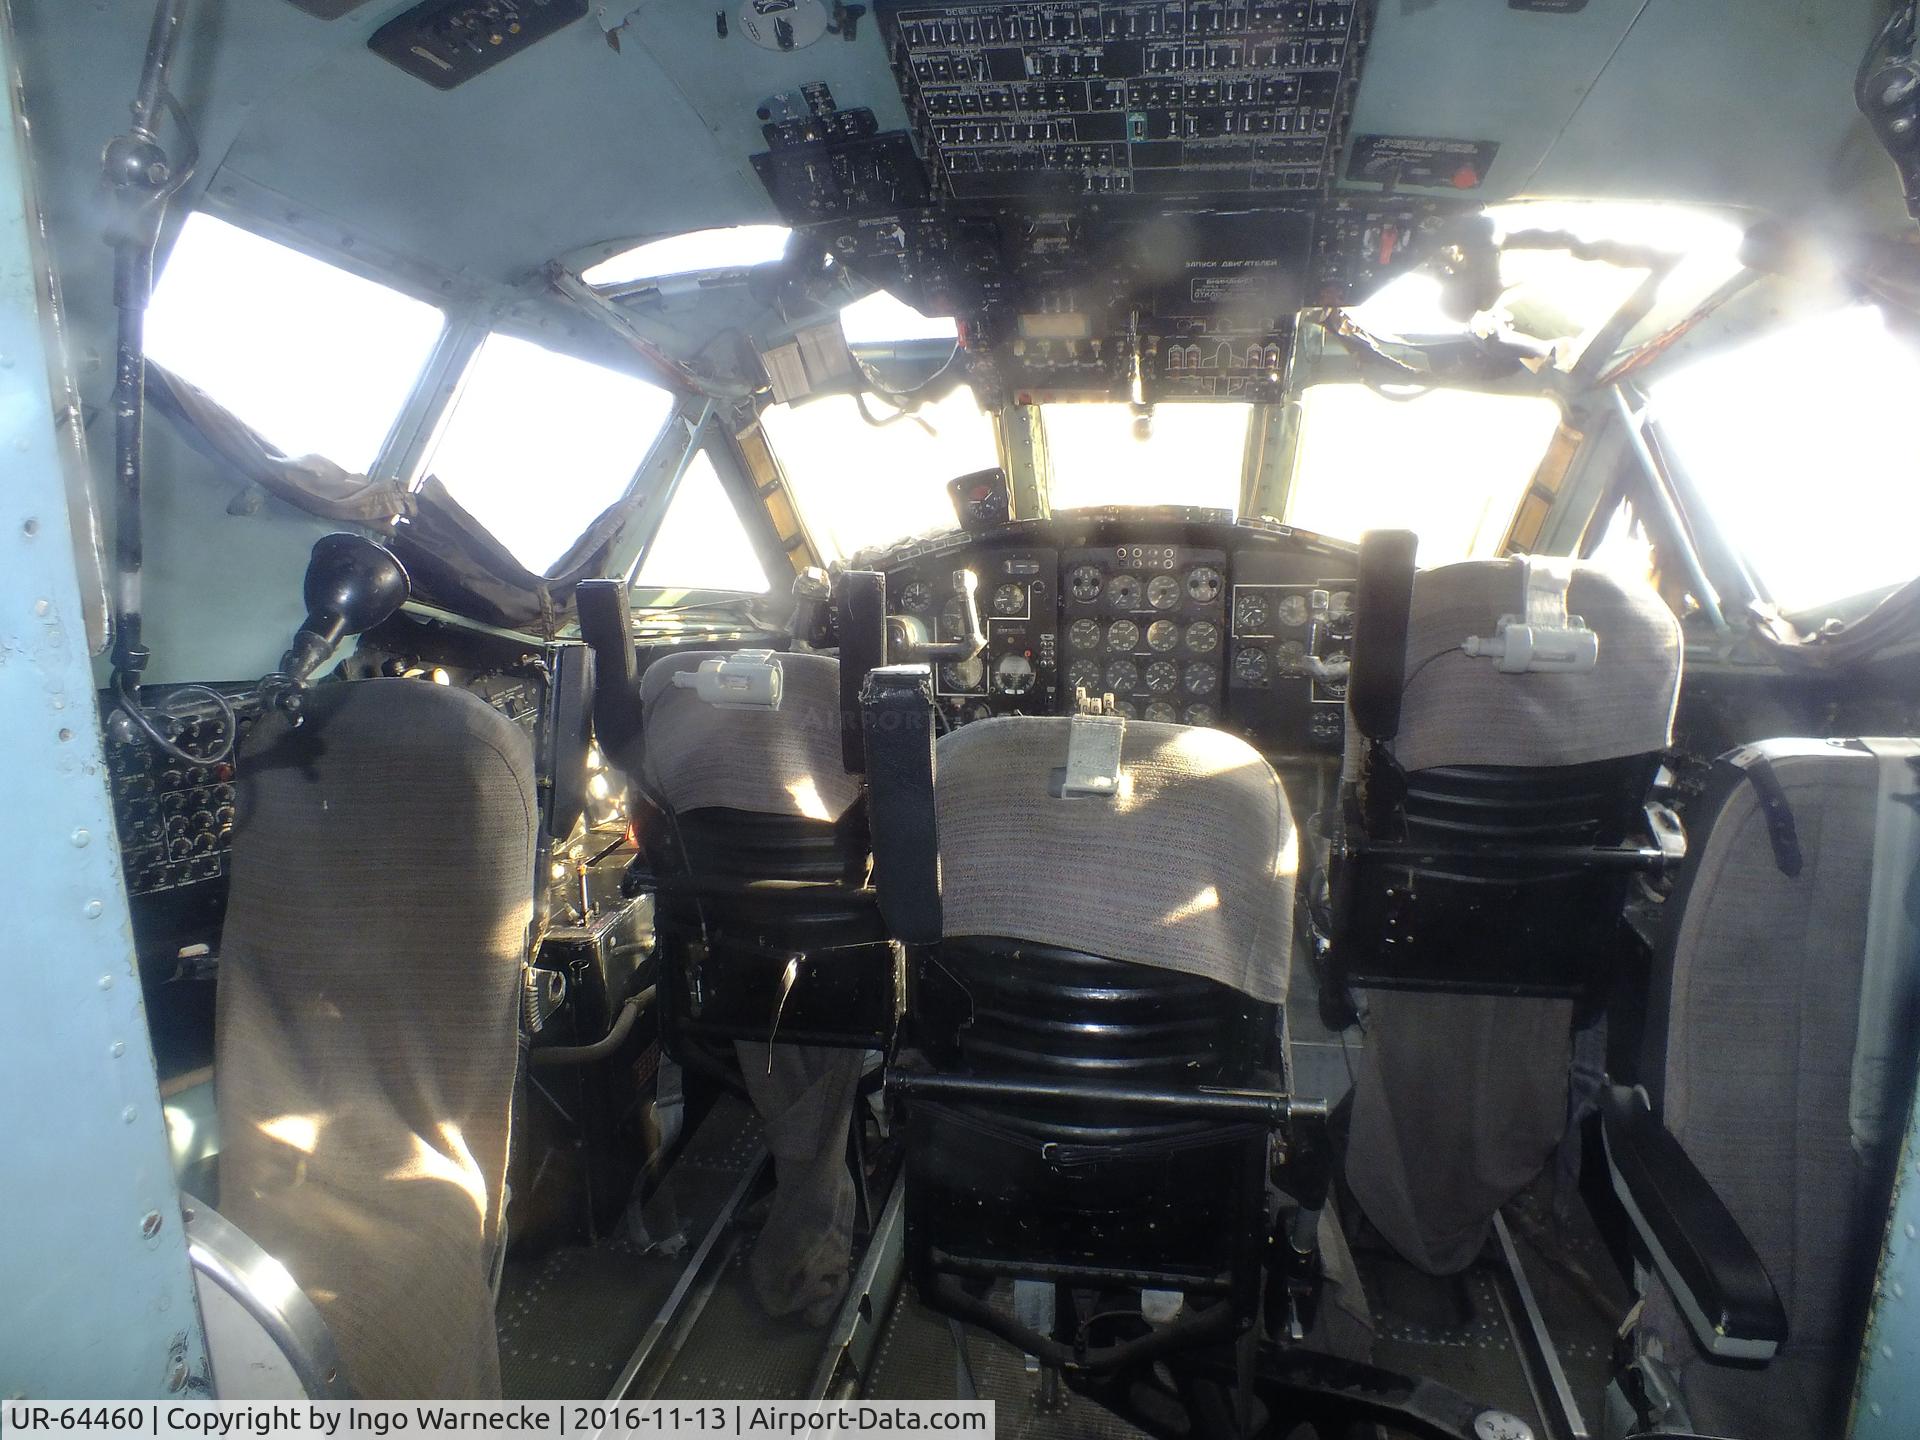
(908, 648)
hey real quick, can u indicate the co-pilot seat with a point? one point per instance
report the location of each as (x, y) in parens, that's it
(1093, 1058)
(366, 1034)
(1507, 719)
(771, 947)
(1756, 1152)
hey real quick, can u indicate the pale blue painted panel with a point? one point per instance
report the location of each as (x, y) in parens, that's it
(96, 1298)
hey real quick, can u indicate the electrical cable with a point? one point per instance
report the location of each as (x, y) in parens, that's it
(140, 716)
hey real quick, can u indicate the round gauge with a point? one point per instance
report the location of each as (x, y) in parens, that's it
(917, 598)
(1010, 599)
(1203, 584)
(1335, 687)
(1251, 664)
(1163, 635)
(1124, 591)
(1124, 709)
(1013, 675)
(1290, 657)
(1083, 583)
(1252, 614)
(1084, 675)
(1161, 711)
(1122, 636)
(1202, 678)
(1203, 637)
(1198, 715)
(1293, 610)
(1084, 634)
(975, 710)
(1162, 676)
(1163, 592)
(1123, 676)
(1340, 607)
(953, 619)
(964, 676)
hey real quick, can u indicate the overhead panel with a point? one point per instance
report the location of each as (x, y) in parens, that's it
(1169, 97)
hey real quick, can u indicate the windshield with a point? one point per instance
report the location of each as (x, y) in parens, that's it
(862, 484)
(1189, 455)
(1449, 465)
(1825, 506)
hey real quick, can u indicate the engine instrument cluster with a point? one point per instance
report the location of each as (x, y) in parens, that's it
(1180, 615)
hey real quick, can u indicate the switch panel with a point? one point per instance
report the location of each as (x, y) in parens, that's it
(1156, 97)
(448, 42)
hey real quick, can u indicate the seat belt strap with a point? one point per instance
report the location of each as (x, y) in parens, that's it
(1781, 831)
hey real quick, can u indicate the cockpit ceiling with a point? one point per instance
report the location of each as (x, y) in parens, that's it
(583, 142)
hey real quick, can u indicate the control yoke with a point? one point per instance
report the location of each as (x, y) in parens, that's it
(909, 644)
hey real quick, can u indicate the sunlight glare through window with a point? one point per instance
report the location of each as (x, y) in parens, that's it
(738, 247)
(538, 444)
(316, 359)
(880, 317)
(860, 485)
(701, 544)
(1800, 443)
(1193, 455)
(1450, 466)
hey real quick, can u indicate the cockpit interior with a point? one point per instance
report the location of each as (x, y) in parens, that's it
(1191, 718)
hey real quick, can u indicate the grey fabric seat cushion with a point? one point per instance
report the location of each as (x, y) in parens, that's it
(1765, 990)
(772, 762)
(367, 1032)
(1191, 867)
(1458, 710)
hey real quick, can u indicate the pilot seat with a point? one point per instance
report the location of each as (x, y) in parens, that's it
(1507, 720)
(775, 972)
(367, 1032)
(1105, 1164)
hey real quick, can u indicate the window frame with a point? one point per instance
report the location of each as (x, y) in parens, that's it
(454, 297)
(708, 433)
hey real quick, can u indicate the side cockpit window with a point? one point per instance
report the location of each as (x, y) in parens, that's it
(537, 444)
(701, 543)
(316, 359)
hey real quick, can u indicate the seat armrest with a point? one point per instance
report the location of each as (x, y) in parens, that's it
(1699, 1249)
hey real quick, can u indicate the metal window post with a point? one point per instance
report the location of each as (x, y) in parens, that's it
(99, 1300)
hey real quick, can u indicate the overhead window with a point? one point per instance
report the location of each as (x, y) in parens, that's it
(1191, 454)
(701, 543)
(1800, 443)
(538, 443)
(859, 484)
(316, 359)
(737, 247)
(1449, 465)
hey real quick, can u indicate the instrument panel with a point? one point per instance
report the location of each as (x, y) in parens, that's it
(1182, 616)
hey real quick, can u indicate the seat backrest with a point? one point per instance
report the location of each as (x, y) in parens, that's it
(1759, 983)
(367, 1036)
(1481, 758)
(1458, 710)
(768, 762)
(1188, 867)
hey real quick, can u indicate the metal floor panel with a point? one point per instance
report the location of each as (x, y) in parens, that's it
(738, 1352)
(569, 1320)
(916, 1362)
(1450, 1330)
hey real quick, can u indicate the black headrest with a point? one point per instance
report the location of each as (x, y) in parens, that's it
(1382, 606)
(606, 625)
(860, 610)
